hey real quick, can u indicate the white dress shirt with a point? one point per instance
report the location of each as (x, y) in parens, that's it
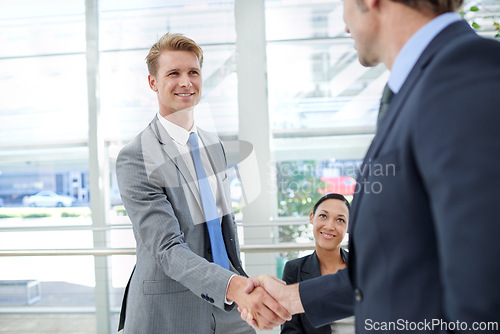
(180, 137)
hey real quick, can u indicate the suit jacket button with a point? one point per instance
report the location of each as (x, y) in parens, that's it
(211, 300)
(358, 295)
(203, 296)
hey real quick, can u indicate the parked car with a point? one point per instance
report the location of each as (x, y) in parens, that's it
(47, 198)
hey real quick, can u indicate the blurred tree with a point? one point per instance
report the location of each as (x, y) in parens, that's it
(483, 15)
(298, 185)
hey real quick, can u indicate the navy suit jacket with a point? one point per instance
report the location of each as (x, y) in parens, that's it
(424, 223)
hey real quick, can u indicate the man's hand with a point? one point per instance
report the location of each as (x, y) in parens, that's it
(286, 295)
(264, 309)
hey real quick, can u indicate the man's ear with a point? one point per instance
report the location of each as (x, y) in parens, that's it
(152, 83)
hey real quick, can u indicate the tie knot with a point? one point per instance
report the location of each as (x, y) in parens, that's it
(193, 140)
(387, 95)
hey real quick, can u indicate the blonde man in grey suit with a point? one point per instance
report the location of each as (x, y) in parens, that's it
(176, 287)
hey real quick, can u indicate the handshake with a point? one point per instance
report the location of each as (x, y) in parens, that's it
(264, 301)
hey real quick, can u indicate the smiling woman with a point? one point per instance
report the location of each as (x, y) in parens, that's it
(330, 220)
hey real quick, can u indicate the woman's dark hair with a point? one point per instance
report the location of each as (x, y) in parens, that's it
(331, 196)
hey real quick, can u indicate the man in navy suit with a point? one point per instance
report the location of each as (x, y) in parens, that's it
(424, 248)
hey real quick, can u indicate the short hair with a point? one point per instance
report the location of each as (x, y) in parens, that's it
(171, 42)
(332, 196)
(436, 6)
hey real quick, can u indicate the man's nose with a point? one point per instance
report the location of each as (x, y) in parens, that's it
(185, 82)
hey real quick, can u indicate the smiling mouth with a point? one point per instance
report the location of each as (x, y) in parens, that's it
(184, 94)
(327, 236)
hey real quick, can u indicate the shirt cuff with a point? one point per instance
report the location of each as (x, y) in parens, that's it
(226, 301)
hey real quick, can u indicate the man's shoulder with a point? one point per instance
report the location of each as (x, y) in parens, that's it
(465, 45)
(137, 144)
(459, 56)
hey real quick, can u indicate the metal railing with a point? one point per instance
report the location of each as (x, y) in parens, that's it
(250, 248)
(258, 248)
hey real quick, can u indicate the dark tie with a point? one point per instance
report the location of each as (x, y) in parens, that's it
(219, 252)
(387, 95)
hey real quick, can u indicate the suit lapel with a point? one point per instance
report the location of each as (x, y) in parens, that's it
(311, 267)
(168, 146)
(214, 153)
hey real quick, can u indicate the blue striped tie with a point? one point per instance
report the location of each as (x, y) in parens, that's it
(219, 252)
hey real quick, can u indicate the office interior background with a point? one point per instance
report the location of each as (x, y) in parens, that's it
(281, 75)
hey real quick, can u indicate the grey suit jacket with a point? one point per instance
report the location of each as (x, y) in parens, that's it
(174, 285)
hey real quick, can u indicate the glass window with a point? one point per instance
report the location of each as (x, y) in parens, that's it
(43, 111)
(43, 98)
(30, 28)
(44, 179)
(302, 182)
(323, 106)
(138, 24)
(303, 19)
(321, 86)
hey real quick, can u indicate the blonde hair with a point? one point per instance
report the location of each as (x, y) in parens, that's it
(171, 42)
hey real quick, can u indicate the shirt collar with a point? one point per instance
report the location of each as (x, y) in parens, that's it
(177, 133)
(415, 46)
